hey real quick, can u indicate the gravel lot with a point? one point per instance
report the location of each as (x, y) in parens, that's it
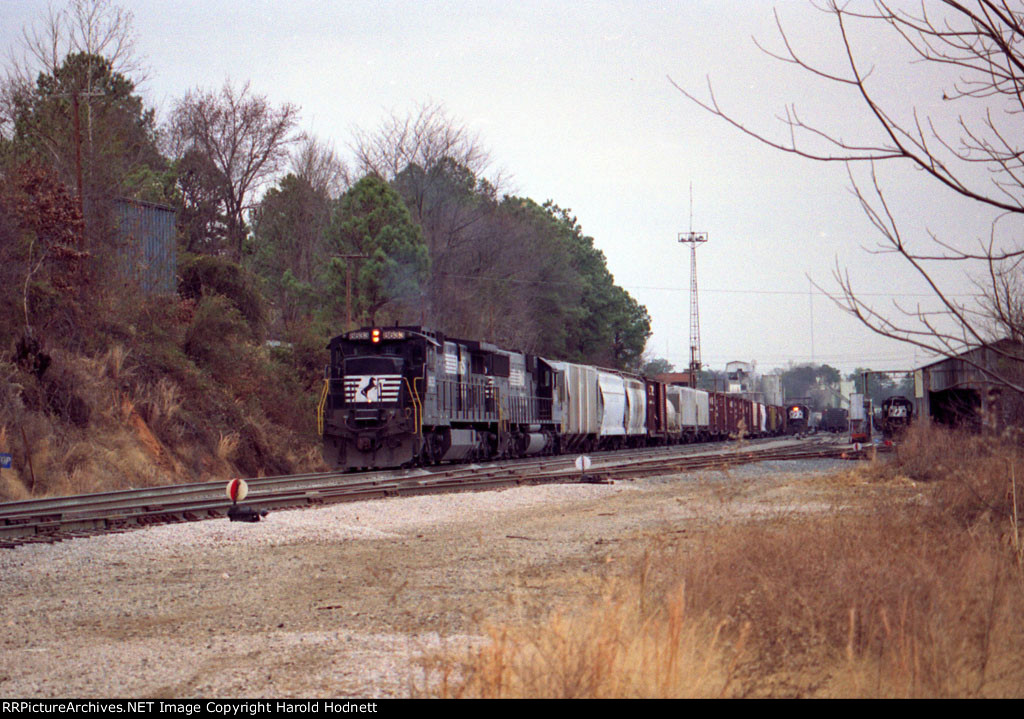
(341, 601)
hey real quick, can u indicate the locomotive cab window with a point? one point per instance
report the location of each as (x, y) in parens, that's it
(477, 363)
(373, 365)
(544, 377)
(416, 354)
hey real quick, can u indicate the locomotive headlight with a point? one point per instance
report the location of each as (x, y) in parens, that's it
(375, 336)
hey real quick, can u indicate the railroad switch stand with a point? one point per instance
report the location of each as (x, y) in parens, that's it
(245, 513)
(237, 490)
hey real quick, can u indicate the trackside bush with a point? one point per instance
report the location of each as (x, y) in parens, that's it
(216, 336)
(203, 275)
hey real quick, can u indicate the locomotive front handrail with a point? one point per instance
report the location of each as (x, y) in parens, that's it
(320, 408)
(417, 407)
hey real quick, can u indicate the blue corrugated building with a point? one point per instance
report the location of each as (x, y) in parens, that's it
(147, 234)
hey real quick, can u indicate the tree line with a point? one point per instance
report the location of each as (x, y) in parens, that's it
(411, 229)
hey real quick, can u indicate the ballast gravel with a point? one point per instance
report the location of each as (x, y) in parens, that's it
(345, 600)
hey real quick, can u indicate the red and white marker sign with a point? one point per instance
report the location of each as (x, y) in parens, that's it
(237, 489)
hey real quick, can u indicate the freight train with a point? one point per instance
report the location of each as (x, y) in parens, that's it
(403, 396)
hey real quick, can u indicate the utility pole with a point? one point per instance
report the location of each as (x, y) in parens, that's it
(693, 239)
(348, 285)
(78, 152)
(77, 127)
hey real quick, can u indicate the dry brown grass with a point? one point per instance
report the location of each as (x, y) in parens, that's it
(893, 603)
(905, 594)
(162, 411)
(597, 654)
(113, 449)
(112, 363)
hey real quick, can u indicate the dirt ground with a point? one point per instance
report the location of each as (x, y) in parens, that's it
(341, 601)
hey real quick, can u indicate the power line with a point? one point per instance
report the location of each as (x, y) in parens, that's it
(793, 292)
(799, 293)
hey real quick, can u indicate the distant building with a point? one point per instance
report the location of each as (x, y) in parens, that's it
(956, 391)
(830, 397)
(679, 378)
(771, 388)
(739, 378)
(149, 246)
(742, 377)
(846, 388)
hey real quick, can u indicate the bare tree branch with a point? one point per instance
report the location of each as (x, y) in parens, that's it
(246, 139)
(978, 153)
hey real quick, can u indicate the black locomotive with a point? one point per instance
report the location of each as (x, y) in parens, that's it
(835, 419)
(897, 414)
(798, 417)
(402, 395)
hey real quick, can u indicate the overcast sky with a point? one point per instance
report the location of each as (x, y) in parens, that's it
(573, 101)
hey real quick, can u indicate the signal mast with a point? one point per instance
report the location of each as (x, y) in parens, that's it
(693, 239)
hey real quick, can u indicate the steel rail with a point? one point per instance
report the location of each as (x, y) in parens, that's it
(12, 512)
(85, 515)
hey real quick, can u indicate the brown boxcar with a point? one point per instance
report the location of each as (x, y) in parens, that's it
(657, 415)
(718, 417)
(740, 416)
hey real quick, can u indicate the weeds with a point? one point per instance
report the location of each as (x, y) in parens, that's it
(227, 446)
(610, 651)
(887, 598)
(113, 362)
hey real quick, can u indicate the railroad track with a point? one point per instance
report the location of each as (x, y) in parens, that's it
(58, 519)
